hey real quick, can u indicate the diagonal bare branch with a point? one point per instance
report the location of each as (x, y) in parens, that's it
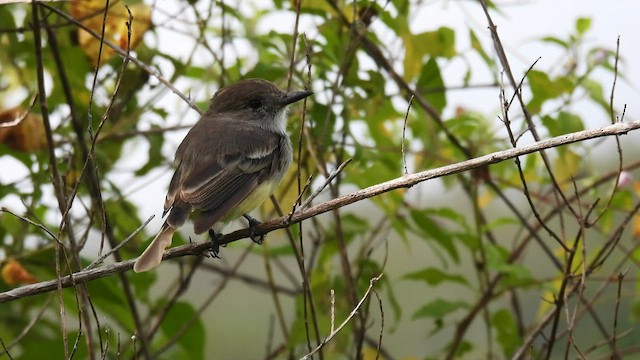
(405, 181)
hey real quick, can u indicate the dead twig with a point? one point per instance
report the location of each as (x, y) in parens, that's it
(353, 313)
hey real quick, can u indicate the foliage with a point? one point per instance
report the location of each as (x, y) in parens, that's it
(69, 194)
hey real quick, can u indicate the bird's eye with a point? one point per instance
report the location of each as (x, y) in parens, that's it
(255, 104)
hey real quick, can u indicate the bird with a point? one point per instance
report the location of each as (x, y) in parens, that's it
(229, 162)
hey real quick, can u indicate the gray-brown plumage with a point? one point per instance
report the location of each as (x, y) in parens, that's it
(229, 162)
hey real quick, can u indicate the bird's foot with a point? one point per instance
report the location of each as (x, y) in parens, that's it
(253, 222)
(215, 243)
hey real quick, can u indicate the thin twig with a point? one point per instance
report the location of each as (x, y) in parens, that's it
(612, 112)
(31, 222)
(379, 346)
(332, 297)
(99, 260)
(307, 297)
(327, 181)
(618, 146)
(404, 132)
(614, 337)
(353, 313)
(21, 117)
(5, 349)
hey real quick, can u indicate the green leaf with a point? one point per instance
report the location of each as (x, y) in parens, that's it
(398, 24)
(433, 276)
(393, 301)
(431, 84)
(439, 308)
(443, 41)
(596, 93)
(317, 7)
(623, 200)
(400, 225)
(542, 88)
(156, 158)
(40, 344)
(267, 71)
(472, 127)
(468, 239)
(352, 224)
(195, 72)
(297, 334)
(466, 79)
(451, 215)
(284, 250)
(582, 25)
(514, 274)
(635, 310)
(477, 46)
(367, 173)
(439, 43)
(192, 341)
(108, 296)
(500, 222)
(7, 20)
(565, 123)
(507, 332)
(555, 40)
(434, 231)
(463, 348)
(123, 216)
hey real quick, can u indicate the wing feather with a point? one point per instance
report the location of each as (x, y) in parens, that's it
(217, 172)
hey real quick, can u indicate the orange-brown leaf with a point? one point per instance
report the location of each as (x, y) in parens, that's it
(28, 132)
(636, 225)
(13, 273)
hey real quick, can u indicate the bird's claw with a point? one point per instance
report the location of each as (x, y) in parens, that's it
(253, 222)
(215, 245)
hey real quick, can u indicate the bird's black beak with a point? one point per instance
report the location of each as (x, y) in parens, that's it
(294, 96)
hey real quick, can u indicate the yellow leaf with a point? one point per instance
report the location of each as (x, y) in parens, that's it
(548, 298)
(485, 199)
(91, 13)
(370, 353)
(565, 167)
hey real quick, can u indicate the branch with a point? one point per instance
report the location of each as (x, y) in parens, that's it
(405, 181)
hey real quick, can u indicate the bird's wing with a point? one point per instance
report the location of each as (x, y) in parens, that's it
(217, 171)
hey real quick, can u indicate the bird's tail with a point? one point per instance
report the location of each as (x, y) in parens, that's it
(152, 256)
